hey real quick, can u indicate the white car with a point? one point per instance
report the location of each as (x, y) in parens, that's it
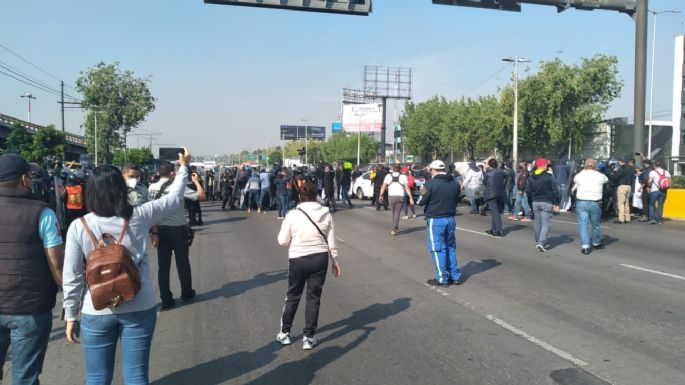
(363, 187)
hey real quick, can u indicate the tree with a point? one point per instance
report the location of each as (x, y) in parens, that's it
(276, 156)
(343, 146)
(426, 127)
(47, 141)
(560, 103)
(19, 141)
(121, 102)
(139, 156)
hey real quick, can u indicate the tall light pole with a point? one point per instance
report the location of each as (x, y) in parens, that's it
(306, 149)
(515, 142)
(359, 135)
(651, 82)
(29, 97)
(96, 138)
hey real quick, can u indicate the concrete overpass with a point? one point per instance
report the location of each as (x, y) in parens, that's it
(76, 144)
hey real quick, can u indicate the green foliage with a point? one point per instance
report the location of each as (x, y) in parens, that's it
(139, 156)
(678, 181)
(342, 146)
(33, 148)
(121, 102)
(276, 156)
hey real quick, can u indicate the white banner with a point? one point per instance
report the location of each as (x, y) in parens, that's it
(364, 117)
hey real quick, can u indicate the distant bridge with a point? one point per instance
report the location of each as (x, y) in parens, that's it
(76, 144)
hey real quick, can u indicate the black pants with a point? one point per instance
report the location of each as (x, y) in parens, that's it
(330, 198)
(385, 203)
(310, 269)
(173, 239)
(194, 212)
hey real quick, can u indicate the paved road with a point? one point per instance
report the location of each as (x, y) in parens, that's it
(522, 317)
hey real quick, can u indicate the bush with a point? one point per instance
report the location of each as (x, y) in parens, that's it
(678, 181)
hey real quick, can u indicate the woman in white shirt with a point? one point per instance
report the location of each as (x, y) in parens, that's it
(309, 232)
(473, 186)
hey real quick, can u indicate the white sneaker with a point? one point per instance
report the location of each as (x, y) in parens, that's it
(405, 217)
(309, 343)
(413, 216)
(283, 338)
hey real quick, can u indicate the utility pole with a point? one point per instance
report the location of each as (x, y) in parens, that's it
(29, 97)
(640, 74)
(515, 140)
(62, 102)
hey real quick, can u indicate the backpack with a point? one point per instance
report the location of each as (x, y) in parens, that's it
(664, 182)
(74, 197)
(521, 182)
(111, 274)
(411, 181)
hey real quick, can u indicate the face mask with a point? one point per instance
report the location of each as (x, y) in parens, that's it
(131, 183)
(530, 168)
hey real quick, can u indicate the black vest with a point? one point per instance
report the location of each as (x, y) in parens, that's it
(26, 283)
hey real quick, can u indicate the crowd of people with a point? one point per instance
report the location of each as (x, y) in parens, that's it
(114, 214)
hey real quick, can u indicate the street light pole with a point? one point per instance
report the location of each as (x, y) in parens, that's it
(651, 81)
(515, 141)
(306, 149)
(359, 136)
(29, 97)
(96, 138)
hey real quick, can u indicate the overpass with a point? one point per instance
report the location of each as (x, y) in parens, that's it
(76, 144)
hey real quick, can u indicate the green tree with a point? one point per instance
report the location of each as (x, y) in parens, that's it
(19, 141)
(343, 146)
(137, 156)
(276, 156)
(562, 102)
(426, 127)
(47, 141)
(121, 102)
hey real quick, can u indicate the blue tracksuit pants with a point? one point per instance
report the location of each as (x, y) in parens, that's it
(442, 245)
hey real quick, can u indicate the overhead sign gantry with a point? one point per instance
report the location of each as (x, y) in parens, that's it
(348, 7)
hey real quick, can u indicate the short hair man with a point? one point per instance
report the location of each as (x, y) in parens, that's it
(657, 195)
(30, 271)
(397, 188)
(173, 238)
(440, 196)
(589, 186)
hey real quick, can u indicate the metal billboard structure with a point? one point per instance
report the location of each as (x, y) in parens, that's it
(290, 132)
(387, 83)
(347, 7)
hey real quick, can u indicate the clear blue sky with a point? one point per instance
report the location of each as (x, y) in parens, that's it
(227, 77)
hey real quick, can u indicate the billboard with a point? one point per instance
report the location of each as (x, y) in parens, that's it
(362, 117)
(336, 127)
(299, 132)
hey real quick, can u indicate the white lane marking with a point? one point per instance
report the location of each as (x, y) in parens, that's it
(340, 239)
(654, 271)
(538, 342)
(550, 348)
(576, 223)
(477, 232)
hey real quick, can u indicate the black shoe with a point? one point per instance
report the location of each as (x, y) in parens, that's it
(433, 282)
(166, 305)
(490, 232)
(455, 283)
(188, 296)
(483, 214)
(585, 250)
(598, 247)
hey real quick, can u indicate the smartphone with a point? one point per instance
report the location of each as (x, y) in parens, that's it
(170, 153)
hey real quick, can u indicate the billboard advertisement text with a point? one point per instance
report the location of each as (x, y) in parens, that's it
(364, 117)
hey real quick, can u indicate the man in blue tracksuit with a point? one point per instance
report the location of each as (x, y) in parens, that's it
(439, 196)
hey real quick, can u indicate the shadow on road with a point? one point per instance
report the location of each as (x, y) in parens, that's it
(475, 268)
(511, 229)
(575, 376)
(223, 369)
(559, 240)
(224, 220)
(233, 289)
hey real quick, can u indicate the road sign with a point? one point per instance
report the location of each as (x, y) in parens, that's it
(349, 7)
(409, 158)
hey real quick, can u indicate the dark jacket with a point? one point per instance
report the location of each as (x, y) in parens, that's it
(439, 196)
(26, 283)
(346, 178)
(328, 178)
(542, 188)
(493, 180)
(562, 172)
(623, 176)
(380, 177)
(509, 178)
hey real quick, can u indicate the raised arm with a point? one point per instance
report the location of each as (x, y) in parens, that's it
(156, 210)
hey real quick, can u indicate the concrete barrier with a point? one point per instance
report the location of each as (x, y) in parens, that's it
(675, 204)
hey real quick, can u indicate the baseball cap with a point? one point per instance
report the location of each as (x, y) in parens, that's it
(437, 165)
(12, 166)
(542, 162)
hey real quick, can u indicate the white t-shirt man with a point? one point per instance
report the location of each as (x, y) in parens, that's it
(395, 189)
(654, 175)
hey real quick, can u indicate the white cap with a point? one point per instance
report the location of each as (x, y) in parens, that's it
(437, 165)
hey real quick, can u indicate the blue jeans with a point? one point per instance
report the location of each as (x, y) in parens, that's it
(656, 212)
(282, 205)
(28, 334)
(266, 192)
(589, 213)
(442, 245)
(252, 196)
(99, 335)
(522, 203)
(563, 189)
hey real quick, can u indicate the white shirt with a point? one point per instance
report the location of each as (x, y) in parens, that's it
(301, 235)
(396, 189)
(473, 179)
(654, 176)
(178, 217)
(589, 185)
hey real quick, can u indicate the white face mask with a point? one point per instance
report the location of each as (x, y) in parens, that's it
(132, 182)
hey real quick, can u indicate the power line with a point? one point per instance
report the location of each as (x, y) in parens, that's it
(36, 83)
(486, 80)
(30, 84)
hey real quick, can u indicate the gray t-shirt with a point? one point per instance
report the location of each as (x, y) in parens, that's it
(78, 246)
(178, 217)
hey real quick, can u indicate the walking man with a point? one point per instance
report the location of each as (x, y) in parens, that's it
(397, 188)
(543, 190)
(494, 196)
(31, 259)
(265, 184)
(624, 178)
(589, 184)
(439, 196)
(173, 237)
(657, 192)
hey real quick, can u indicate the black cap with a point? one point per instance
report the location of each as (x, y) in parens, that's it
(12, 166)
